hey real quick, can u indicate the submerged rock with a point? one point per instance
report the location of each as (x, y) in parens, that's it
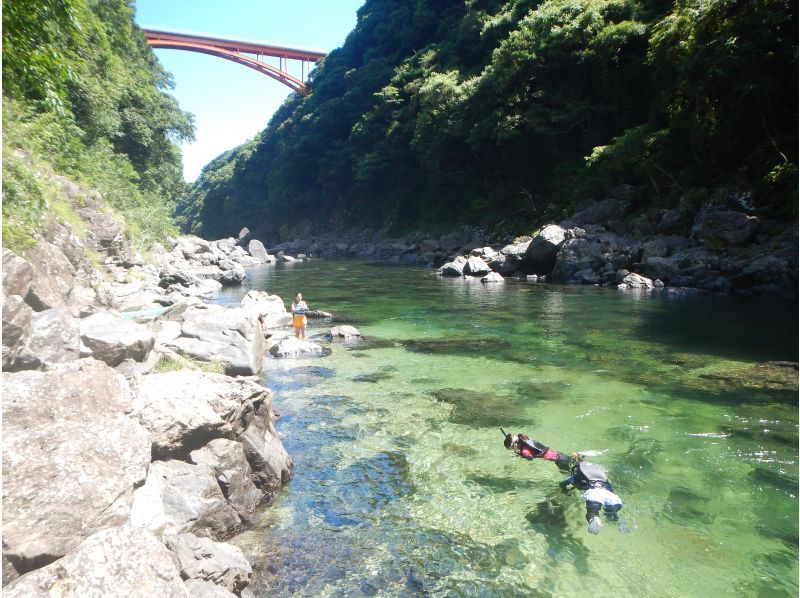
(344, 332)
(482, 409)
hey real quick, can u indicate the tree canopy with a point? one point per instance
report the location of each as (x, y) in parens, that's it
(83, 90)
(435, 112)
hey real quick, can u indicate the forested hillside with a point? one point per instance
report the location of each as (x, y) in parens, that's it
(84, 96)
(436, 112)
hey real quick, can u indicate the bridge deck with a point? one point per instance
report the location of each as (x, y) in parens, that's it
(165, 37)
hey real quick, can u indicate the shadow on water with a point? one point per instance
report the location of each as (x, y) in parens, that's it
(549, 518)
(684, 506)
(714, 326)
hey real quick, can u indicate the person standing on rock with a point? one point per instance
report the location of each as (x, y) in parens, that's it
(299, 309)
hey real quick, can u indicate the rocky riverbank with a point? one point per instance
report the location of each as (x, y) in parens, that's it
(711, 242)
(136, 435)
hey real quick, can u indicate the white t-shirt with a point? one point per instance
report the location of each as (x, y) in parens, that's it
(299, 308)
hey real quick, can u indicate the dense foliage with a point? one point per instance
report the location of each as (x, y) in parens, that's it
(83, 91)
(442, 111)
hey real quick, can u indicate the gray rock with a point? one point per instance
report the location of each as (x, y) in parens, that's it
(179, 497)
(112, 339)
(606, 212)
(293, 346)
(516, 251)
(344, 331)
(635, 281)
(55, 336)
(720, 229)
(654, 248)
(228, 461)
(106, 234)
(53, 276)
(268, 459)
(16, 322)
(586, 276)
(543, 248)
(120, 561)
(453, 268)
(214, 333)
(186, 409)
(492, 277)
(227, 273)
(257, 250)
(576, 255)
(676, 221)
(475, 266)
(17, 274)
(71, 458)
(201, 558)
(288, 258)
(270, 308)
(661, 267)
(199, 588)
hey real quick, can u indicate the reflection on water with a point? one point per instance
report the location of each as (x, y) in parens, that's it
(402, 486)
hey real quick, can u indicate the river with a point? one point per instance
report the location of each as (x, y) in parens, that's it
(402, 486)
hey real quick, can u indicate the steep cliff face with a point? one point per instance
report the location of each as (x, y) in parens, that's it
(438, 112)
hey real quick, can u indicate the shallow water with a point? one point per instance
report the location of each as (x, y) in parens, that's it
(402, 486)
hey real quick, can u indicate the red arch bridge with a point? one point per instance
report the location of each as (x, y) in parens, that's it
(249, 54)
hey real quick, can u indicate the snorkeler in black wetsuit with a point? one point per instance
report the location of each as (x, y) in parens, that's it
(586, 476)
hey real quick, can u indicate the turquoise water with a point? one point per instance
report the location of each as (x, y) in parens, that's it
(402, 486)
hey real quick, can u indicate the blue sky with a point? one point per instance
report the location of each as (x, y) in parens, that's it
(232, 103)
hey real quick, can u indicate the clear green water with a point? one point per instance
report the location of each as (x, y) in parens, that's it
(402, 486)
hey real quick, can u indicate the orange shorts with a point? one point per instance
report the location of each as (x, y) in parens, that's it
(298, 320)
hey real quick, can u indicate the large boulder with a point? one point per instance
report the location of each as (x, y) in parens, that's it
(475, 266)
(201, 558)
(53, 276)
(215, 333)
(268, 308)
(17, 274)
(266, 455)
(259, 253)
(186, 409)
(227, 273)
(577, 255)
(112, 339)
(543, 248)
(454, 268)
(16, 324)
(71, 459)
(635, 281)
(228, 460)
(606, 212)
(721, 229)
(662, 268)
(55, 336)
(120, 561)
(180, 497)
